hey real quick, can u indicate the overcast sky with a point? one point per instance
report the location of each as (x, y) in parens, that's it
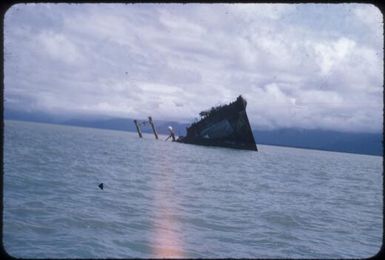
(298, 65)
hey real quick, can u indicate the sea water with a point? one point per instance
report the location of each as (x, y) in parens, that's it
(165, 199)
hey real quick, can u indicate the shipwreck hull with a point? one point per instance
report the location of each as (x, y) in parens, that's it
(225, 126)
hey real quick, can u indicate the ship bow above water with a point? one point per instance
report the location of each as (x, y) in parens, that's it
(224, 126)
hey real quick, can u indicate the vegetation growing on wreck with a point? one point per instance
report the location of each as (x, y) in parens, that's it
(209, 112)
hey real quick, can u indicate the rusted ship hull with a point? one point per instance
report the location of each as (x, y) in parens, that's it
(225, 126)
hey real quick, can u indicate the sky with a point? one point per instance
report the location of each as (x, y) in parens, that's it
(313, 66)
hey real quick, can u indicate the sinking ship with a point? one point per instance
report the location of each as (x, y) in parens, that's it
(225, 126)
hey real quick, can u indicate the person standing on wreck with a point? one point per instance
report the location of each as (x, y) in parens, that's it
(172, 135)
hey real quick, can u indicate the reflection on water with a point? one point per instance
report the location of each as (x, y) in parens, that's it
(167, 239)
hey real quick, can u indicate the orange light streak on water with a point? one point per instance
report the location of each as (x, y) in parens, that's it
(167, 238)
(167, 242)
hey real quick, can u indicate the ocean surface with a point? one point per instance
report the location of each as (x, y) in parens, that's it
(164, 199)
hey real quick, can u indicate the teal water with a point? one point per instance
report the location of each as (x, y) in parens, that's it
(164, 199)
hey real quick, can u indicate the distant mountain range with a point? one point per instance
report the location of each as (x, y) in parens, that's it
(126, 124)
(361, 143)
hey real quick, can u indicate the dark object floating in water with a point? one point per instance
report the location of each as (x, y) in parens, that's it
(225, 126)
(100, 185)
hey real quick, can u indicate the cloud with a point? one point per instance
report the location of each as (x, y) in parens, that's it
(331, 55)
(261, 12)
(293, 64)
(369, 16)
(58, 47)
